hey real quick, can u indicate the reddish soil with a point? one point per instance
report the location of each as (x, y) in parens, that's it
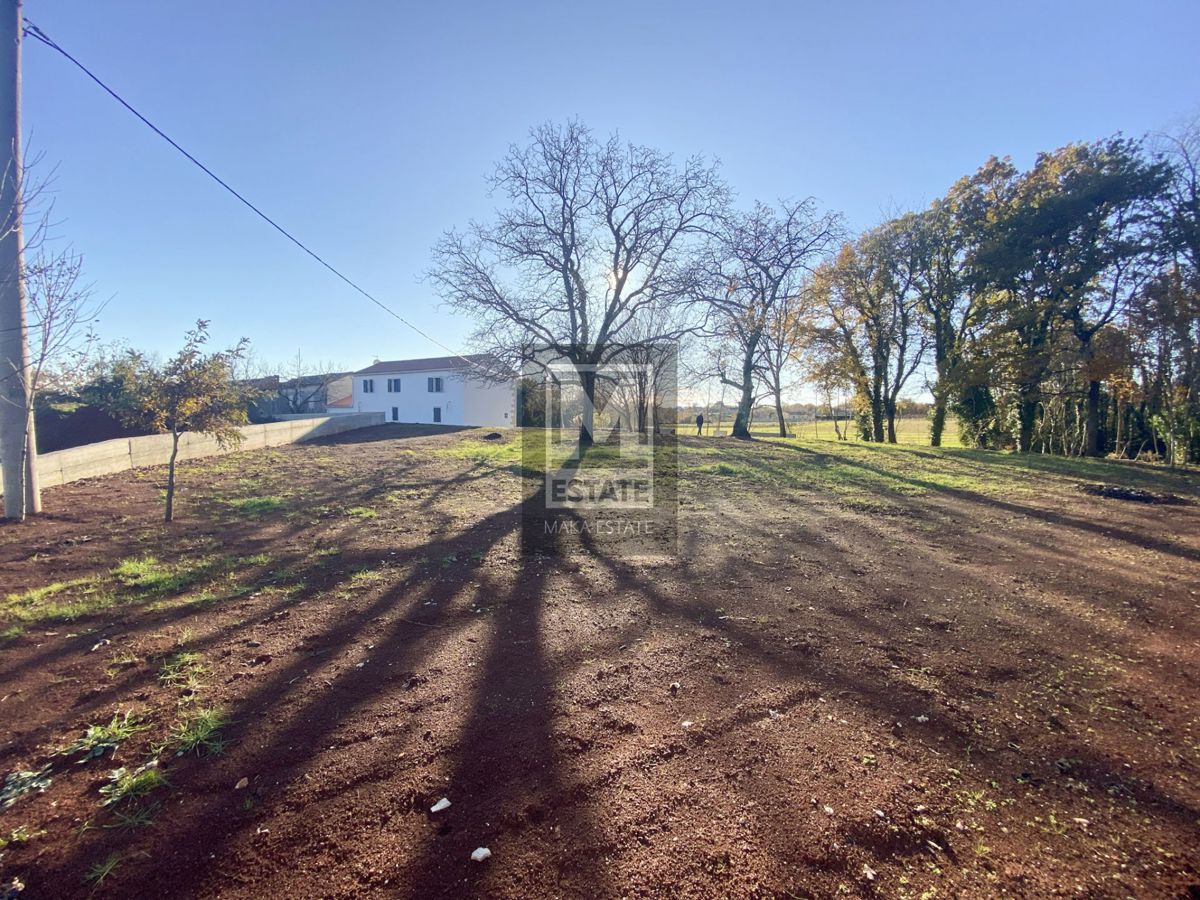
(969, 696)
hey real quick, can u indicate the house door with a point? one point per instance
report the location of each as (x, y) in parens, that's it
(437, 414)
(395, 414)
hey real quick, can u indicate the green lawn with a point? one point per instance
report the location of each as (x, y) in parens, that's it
(861, 473)
(914, 430)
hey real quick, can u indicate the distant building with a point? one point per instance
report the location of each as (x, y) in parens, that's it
(446, 390)
(339, 394)
(312, 393)
(308, 395)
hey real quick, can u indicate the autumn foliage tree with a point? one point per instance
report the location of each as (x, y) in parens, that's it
(194, 391)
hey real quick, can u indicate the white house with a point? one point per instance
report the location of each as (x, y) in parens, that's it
(445, 390)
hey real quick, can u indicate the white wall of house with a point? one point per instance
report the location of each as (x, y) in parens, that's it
(461, 400)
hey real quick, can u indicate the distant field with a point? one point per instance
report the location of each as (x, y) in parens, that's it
(913, 430)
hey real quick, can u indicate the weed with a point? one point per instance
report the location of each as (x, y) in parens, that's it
(200, 733)
(126, 785)
(101, 870)
(100, 739)
(182, 669)
(363, 576)
(20, 835)
(134, 816)
(361, 512)
(18, 784)
(125, 658)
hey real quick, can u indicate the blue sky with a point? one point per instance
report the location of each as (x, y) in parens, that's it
(367, 128)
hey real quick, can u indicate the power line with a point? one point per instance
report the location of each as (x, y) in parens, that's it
(33, 31)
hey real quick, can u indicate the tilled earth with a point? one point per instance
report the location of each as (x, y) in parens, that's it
(960, 693)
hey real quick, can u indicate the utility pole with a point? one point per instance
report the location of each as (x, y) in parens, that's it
(18, 450)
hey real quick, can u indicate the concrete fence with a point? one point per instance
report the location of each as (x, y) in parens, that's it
(122, 454)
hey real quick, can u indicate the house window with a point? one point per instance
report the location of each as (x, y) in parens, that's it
(436, 387)
(395, 414)
(437, 412)
(393, 385)
(368, 385)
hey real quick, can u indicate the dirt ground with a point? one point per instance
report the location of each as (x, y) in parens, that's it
(983, 685)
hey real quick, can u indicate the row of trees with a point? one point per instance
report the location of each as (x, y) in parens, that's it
(1050, 309)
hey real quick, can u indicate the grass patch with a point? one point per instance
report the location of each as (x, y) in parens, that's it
(200, 733)
(725, 469)
(497, 452)
(147, 575)
(136, 579)
(126, 785)
(361, 512)
(101, 739)
(254, 507)
(874, 476)
(60, 601)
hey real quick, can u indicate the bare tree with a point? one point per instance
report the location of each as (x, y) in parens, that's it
(1181, 198)
(595, 234)
(646, 381)
(304, 383)
(20, 193)
(62, 313)
(783, 340)
(763, 259)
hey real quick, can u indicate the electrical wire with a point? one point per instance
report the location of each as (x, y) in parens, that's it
(32, 30)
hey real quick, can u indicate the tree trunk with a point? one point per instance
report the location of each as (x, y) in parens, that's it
(938, 423)
(1027, 416)
(171, 476)
(741, 422)
(1117, 421)
(1092, 422)
(587, 427)
(779, 414)
(555, 420)
(877, 413)
(890, 409)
